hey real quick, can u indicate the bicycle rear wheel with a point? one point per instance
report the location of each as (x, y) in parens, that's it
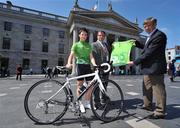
(39, 109)
(110, 104)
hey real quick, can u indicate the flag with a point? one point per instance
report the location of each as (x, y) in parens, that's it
(95, 6)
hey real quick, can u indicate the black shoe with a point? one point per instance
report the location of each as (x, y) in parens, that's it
(171, 79)
(153, 116)
(145, 108)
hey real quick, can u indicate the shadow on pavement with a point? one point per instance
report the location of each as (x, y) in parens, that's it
(173, 111)
(83, 121)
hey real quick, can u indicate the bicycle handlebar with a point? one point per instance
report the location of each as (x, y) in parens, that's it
(108, 67)
(99, 67)
(61, 67)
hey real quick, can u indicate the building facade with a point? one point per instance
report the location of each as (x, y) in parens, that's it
(38, 39)
(172, 52)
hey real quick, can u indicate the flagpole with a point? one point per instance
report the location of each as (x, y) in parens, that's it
(98, 5)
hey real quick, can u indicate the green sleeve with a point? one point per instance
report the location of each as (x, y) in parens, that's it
(73, 48)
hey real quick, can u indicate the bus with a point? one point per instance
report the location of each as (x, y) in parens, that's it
(177, 65)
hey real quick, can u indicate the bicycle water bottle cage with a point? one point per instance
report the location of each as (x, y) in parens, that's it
(82, 88)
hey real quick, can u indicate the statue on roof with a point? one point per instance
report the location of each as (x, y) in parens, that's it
(9, 3)
(76, 2)
(110, 6)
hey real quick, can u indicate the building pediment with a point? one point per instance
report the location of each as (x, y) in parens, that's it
(112, 21)
(104, 17)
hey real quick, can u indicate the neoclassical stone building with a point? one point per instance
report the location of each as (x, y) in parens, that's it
(38, 39)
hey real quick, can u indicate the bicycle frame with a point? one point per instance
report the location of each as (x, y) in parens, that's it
(96, 78)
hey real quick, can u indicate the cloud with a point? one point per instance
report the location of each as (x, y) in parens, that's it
(165, 30)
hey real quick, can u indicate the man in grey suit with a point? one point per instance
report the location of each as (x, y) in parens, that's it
(101, 53)
(153, 67)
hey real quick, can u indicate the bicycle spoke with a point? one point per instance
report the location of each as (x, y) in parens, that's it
(113, 106)
(39, 109)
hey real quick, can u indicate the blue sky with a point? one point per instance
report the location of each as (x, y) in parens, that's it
(166, 11)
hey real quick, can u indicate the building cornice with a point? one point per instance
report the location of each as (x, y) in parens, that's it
(32, 15)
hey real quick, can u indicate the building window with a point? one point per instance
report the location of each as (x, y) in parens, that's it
(7, 26)
(4, 63)
(28, 29)
(61, 34)
(60, 61)
(61, 48)
(45, 47)
(122, 38)
(26, 63)
(169, 53)
(44, 64)
(45, 32)
(6, 43)
(169, 57)
(27, 45)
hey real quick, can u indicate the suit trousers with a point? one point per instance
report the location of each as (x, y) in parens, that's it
(154, 85)
(98, 96)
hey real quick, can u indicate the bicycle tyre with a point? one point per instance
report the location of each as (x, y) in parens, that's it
(43, 112)
(113, 105)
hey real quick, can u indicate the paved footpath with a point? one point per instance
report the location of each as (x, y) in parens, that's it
(12, 114)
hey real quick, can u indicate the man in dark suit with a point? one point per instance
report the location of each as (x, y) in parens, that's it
(153, 66)
(101, 49)
(101, 53)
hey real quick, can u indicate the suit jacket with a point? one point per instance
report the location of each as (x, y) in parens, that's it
(152, 58)
(99, 54)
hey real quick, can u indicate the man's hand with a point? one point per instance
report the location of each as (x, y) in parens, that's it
(133, 40)
(69, 66)
(130, 63)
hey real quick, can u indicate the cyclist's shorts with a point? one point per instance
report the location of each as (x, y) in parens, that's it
(83, 69)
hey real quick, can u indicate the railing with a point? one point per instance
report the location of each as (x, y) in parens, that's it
(31, 11)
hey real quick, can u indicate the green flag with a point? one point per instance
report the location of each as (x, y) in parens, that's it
(121, 52)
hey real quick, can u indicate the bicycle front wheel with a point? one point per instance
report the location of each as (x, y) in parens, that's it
(107, 106)
(39, 108)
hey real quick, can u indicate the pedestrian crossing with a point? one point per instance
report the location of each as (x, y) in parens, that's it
(141, 123)
(3, 94)
(14, 88)
(133, 93)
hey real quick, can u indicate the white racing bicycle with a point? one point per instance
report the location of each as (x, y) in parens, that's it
(48, 100)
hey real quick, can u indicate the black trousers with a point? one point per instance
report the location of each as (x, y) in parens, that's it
(18, 75)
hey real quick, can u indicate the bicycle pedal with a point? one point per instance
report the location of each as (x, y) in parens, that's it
(77, 114)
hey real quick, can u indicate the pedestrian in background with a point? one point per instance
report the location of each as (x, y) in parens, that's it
(49, 72)
(170, 70)
(153, 67)
(19, 72)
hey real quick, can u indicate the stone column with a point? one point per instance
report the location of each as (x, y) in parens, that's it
(105, 40)
(75, 35)
(116, 38)
(91, 37)
(75, 39)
